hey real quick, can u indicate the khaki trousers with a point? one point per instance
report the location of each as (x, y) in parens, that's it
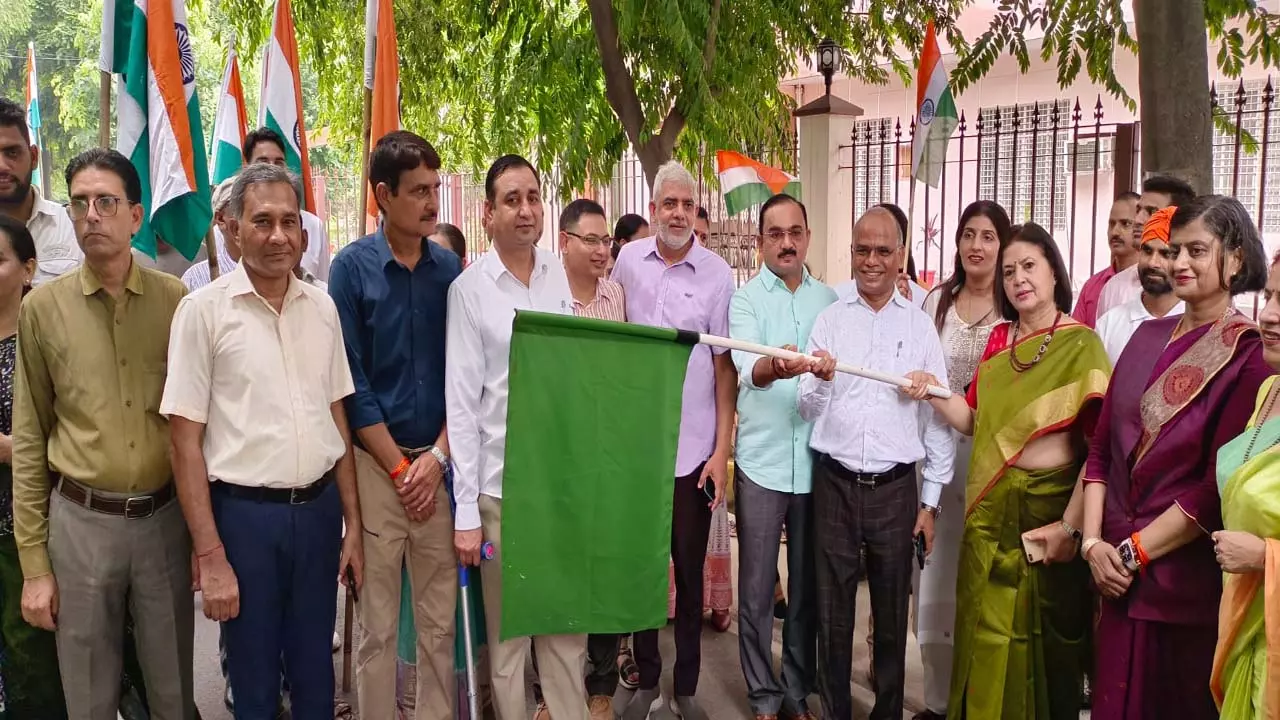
(390, 539)
(102, 562)
(561, 658)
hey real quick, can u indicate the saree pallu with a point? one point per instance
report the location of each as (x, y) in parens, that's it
(1246, 664)
(1022, 630)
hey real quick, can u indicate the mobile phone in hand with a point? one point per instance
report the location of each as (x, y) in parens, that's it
(919, 543)
(709, 489)
(351, 584)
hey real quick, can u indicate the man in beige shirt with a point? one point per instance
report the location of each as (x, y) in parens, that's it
(94, 517)
(263, 457)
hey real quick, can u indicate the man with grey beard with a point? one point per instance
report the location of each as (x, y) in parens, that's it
(671, 281)
(1157, 299)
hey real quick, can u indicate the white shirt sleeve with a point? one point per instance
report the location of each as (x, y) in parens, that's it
(463, 387)
(186, 388)
(939, 441)
(340, 381)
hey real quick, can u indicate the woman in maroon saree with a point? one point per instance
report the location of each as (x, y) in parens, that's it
(1182, 388)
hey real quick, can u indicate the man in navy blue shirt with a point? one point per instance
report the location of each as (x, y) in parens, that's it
(391, 290)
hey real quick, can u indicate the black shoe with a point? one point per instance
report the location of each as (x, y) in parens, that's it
(928, 715)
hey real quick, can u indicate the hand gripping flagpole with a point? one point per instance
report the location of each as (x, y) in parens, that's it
(742, 345)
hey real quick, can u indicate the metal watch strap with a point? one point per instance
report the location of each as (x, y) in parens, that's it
(1072, 531)
(439, 455)
(933, 510)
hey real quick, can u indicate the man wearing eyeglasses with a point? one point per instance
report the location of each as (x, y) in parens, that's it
(56, 248)
(95, 520)
(773, 467)
(585, 247)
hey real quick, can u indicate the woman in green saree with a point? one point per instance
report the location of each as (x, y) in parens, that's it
(1246, 664)
(1021, 634)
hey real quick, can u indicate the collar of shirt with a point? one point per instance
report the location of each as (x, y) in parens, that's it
(853, 297)
(238, 284)
(772, 282)
(696, 256)
(90, 283)
(383, 249)
(43, 206)
(493, 266)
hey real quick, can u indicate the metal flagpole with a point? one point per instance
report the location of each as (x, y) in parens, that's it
(742, 345)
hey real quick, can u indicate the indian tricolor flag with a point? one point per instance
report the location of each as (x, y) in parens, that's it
(745, 182)
(936, 116)
(158, 127)
(381, 74)
(229, 124)
(280, 105)
(33, 108)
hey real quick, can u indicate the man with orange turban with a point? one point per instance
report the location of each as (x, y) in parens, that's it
(1157, 299)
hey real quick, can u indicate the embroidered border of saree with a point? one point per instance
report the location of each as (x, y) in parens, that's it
(1016, 408)
(1184, 380)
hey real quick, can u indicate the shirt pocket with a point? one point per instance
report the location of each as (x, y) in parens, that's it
(153, 378)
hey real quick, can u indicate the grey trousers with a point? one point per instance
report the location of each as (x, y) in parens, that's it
(101, 562)
(761, 515)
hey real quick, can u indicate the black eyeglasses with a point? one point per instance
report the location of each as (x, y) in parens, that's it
(105, 205)
(591, 241)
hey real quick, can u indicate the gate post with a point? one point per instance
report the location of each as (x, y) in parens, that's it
(825, 125)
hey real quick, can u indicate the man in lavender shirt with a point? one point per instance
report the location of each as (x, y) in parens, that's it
(670, 280)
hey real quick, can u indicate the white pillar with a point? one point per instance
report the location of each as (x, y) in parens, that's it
(824, 125)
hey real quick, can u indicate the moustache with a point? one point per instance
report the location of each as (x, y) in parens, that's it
(787, 253)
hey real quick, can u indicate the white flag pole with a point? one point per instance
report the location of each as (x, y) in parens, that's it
(742, 345)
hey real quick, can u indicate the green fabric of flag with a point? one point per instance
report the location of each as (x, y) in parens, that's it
(593, 419)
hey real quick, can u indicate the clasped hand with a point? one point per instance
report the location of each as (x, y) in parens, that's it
(417, 488)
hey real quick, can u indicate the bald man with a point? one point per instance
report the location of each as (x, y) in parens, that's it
(868, 439)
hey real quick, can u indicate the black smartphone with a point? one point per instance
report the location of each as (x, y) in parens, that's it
(709, 489)
(351, 584)
(919, 543)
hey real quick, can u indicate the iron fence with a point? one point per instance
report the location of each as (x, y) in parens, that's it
(1058, 163)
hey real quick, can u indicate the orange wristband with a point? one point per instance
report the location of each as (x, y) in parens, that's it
(400, 469)
(1143, 558)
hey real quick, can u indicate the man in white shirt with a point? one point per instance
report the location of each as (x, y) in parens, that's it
(56, 248)
(198, 275)
(262, 455)
(1158, 192)
(514, 275)
(1157, 299)
(868, 439)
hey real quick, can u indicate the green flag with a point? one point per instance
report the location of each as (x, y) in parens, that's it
(592, 424)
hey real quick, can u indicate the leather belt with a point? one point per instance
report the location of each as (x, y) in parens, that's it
(285, 496)
(132, 508)
(413, 453)
(865, 479)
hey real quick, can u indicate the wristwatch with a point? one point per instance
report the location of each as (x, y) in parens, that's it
(933, 510)
(440, 457)
(1129, 557)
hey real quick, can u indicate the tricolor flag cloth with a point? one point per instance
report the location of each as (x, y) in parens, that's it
(229, 123)
(586, 520)
(745, 182)
(381, 74)
(158, 127)
(936, 116)
(280, 104)
(33, 109)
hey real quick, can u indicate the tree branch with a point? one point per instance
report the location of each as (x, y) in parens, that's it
(665, 141)
(620, 87)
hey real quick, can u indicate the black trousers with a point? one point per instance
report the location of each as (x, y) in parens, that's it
(690, 526)
(602, 664)
(847, 517)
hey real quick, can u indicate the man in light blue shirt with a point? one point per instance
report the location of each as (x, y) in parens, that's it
(773, 469)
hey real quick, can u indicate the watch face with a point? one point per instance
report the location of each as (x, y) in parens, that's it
(1126, 553)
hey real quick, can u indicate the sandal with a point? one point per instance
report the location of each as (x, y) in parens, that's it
(342, 710)
(628, 671)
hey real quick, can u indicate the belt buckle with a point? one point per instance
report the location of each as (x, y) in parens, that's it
(295, 498)
(148, 502)
(869, 482)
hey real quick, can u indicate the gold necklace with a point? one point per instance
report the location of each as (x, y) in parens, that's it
(1019, 366)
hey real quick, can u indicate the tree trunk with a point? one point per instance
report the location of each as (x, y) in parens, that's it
(1173, 79)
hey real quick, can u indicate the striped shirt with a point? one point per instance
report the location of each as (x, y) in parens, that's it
(197, 276)
(608, 304)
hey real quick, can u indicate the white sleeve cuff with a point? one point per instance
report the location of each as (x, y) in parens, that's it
(466, 517)
(931, 493)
